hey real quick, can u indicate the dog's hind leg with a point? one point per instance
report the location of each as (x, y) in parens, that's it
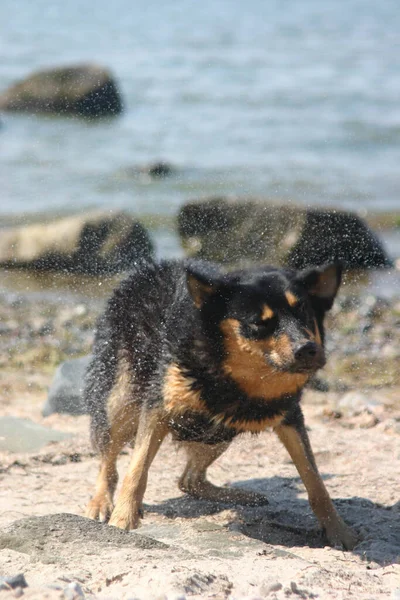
(194, 481)
(297, 443)
(123, 425)
(151, 432)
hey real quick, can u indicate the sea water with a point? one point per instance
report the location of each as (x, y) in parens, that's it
(296, 100)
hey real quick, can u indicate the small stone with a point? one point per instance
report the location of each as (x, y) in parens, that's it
(365, 420)
(266, 589)
(294, 589)
(369, 420)
(73, 591)
(17, 581)
(160, 169)
(332, 413)
(66, 390)
(54, 586)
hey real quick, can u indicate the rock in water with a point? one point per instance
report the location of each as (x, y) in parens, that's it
(240, 231)
(90, 244)
(85, 90)
(334, 235)
(66, 390)
(158, 170)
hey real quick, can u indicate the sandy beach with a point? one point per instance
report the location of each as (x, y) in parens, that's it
(195, 549)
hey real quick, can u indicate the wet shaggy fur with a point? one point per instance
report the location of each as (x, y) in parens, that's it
(186, 349)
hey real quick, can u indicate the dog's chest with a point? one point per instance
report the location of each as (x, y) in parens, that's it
(218, 411)
(197, 427)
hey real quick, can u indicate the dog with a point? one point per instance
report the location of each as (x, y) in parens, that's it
(187, 349)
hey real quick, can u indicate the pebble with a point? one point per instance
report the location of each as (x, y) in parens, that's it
(66, 390)
(266, 589)
(73, 591)
(17, 581)
(365, 420)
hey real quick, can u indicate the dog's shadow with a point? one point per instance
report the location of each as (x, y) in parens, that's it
(288, 520)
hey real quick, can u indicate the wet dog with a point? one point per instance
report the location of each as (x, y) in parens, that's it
(186, 349)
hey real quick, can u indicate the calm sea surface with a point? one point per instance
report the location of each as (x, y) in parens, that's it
(288, 99)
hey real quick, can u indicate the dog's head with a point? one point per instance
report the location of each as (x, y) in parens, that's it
(270, 320)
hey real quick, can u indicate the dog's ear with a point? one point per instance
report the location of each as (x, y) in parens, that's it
(203, 281)
(322, 283)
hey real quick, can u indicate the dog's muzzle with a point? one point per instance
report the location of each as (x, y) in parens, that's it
(308, 357)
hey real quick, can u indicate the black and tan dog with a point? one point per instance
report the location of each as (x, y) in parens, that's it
(186, 349)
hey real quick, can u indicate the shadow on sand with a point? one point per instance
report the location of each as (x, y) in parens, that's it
(288, 520)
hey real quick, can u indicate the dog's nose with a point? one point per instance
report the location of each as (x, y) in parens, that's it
(306, 352)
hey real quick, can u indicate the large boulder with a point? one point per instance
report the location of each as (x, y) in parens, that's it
(85, 90)
(240, 231)
(93, 244)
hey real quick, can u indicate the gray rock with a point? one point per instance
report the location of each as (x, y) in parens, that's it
(207, 584)
(158, 170)
(270, 588)
(147, 172)
(85, 90)
(240, 230)
(73, 591)
(17, 581)
(23, 435)
(92, 244)
(66, 390)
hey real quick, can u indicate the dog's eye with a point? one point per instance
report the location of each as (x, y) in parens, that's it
(261, 327)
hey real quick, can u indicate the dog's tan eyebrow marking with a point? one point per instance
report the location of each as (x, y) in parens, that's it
(291, 298)
(266, 312)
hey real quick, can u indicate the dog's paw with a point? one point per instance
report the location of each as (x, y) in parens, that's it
(343, 536)
(125, 520)
(100, 508)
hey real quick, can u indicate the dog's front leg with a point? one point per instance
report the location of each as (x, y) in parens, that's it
(297, 443)
(151, 432)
